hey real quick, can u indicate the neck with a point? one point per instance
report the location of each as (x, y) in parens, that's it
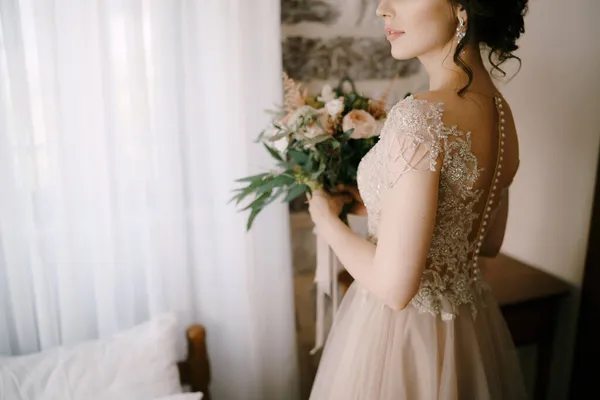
(444, 74)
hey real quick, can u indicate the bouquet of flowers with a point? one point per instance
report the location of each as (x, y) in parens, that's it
(317, 143)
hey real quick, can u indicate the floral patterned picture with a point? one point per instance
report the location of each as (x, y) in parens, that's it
(330, 39)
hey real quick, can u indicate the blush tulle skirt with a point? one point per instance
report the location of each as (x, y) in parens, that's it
(376, 353)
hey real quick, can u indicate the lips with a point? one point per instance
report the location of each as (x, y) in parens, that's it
(392, 34)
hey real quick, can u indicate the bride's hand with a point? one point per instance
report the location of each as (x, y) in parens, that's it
(359, 206)
(324, 207)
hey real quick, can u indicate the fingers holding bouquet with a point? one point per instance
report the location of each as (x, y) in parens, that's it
(324, 206)
(357, 204)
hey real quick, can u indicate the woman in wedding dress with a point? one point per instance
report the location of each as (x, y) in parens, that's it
(419, 322)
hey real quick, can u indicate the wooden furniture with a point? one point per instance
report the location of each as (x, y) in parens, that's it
(584, 374)
(195, 370)
(529, 300)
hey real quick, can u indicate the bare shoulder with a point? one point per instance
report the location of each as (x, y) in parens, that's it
(479, 115)
(454, 106)
(473, 112)
(435, 96)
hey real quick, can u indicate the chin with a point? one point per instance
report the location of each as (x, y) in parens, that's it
(402, 54)
(401, 50)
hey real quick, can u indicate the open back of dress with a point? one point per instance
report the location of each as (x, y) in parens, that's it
(451, 342)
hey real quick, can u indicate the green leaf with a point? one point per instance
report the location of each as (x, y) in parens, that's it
(290, 175)
(253, 214)
(273, 152)
(309, 190)
(294, 192)
(317, 139)
(253, 186)
(308, 167)
(259, 201)
(315, 176)
(279, 135)
(252, 177)
(274, 196)
(298, 156)
(285, 165)
(259, 204)
(280, 180)
(348, 133)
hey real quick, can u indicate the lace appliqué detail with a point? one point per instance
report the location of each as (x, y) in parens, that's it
(413, 138)
(412, 142)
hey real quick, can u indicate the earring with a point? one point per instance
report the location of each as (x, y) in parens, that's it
(461, 31)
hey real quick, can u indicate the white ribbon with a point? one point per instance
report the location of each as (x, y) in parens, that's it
(326, 273)
(324, 280)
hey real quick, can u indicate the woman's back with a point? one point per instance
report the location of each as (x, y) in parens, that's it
(494, 143)
(481, 116)
(476, 163)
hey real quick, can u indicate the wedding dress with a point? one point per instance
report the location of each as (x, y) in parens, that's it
(451, 341)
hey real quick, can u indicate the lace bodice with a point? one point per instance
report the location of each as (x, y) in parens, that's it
(415, 133)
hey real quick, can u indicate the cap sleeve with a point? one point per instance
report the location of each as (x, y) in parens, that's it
(412, 138)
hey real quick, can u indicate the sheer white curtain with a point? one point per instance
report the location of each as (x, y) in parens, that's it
(123, 124)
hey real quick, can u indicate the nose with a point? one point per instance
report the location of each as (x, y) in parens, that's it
(385, 10)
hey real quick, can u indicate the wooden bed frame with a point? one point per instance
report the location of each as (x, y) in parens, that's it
(195, 370)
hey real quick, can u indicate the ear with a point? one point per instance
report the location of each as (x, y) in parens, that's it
(461, 12)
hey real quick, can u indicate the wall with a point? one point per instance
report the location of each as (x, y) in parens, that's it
(555, 100)
(325, 40)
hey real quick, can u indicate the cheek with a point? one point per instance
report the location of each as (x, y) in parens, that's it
(428, 24)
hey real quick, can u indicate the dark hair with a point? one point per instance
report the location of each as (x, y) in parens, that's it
(495, 24)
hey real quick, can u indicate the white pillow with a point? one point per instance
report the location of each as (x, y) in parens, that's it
(140, 363)
(183, 396)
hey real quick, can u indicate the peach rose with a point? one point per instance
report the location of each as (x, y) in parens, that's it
(363, 123)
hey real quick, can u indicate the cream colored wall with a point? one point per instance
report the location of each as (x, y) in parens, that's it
(556, 102)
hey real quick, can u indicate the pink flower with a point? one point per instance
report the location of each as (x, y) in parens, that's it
(363, 123)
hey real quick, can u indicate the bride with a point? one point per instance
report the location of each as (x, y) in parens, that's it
(419, 322)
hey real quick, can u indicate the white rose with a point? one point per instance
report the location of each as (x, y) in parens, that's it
(335, 106)
(326, 94)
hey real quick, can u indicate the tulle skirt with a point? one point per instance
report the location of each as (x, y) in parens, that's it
(376, 353)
